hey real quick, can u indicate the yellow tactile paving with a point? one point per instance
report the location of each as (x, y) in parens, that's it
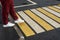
(25, 28)
(53, 8)
(49, 14)
(39, 20)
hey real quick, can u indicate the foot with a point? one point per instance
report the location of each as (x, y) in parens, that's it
(19, 21)
(9, 25)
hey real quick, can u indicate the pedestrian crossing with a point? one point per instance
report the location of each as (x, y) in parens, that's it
(57, 7)
(39, 20)
(53, 8)
(49, 14)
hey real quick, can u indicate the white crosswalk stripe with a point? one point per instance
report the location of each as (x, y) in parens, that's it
(57, 7)
(33, 25)
(55, 24)
(51, 11)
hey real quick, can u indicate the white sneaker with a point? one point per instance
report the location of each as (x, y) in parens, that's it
(19, 21)
(9, 25)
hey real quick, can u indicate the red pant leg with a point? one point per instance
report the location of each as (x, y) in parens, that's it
(7, 7)
(12, 10)
(5, 11)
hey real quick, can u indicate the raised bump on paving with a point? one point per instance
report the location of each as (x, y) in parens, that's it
(39, 20)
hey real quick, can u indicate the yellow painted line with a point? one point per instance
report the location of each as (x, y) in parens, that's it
(49, 14)
(39, 20)
(51, 11)
(32, 23)
(55, 9)
(25, 28)
(50, 21)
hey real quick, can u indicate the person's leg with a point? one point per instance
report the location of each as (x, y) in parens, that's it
(5, 11)
(13, 13)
